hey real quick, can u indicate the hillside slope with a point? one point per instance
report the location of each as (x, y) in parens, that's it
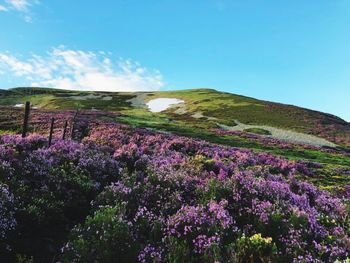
(202, 109)
(209, 115)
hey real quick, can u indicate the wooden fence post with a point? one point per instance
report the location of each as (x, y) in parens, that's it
(73, 124)
(51, 130)
(26, 119)
(65, 130)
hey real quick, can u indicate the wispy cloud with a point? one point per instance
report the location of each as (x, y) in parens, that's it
(3, 8)
(21, 6)
(81, 70)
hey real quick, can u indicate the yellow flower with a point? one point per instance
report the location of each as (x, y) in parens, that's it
(255, 237)
(268, 240)
(258, 237)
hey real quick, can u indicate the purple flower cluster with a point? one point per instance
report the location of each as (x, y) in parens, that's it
(202, 226)
(52, 187)
(262, 193)
(178, 199)
(7, 220)
(150, 254)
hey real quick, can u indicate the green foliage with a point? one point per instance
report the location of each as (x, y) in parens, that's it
(258, 131)
(254, 249)
(180, 251)
(104, 237)
(24, 259)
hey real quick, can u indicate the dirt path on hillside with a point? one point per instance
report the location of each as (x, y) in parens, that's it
(281, 134)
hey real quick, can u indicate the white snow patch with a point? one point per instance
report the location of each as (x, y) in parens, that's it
(161, 104)
(19, 105)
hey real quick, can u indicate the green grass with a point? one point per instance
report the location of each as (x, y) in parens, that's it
(227, 108)
(258, 131)
(7, 132)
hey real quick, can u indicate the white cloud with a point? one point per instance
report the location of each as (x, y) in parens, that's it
(80, 70)
(3, 8)
(21, 6)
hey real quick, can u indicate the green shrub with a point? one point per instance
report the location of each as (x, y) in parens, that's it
(104, 237)
(254, 249)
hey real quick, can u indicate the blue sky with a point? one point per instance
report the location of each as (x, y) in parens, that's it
(294, 52)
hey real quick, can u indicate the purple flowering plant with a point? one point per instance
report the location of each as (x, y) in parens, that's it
(123, 193)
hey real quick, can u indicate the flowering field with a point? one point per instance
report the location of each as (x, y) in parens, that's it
(119, 194)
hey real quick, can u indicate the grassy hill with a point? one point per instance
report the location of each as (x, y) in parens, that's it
(202, 115)
(204, 108)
